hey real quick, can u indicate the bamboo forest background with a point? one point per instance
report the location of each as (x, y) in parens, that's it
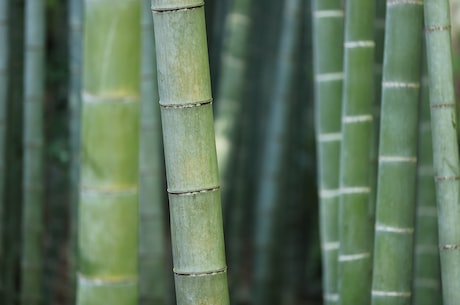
(263, 88)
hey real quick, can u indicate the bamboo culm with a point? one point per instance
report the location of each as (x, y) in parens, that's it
(108, 208)
(33, 188)
(394, 227)
(190, 152)
(427, 276)
(152, 255)
(355, 219)
(328, 66)
(445, 143)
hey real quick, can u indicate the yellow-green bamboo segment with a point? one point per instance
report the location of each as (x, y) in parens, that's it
(394, 227)
(445, 144)
(328, 64)
(190, 152)
(427, 276)
(152, 252)
(355, 221)
(108, 210)
(32, 212)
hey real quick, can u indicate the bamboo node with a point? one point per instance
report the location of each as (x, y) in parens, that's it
(401, 294)
(194, 192)
(328, 193)
(328, 14)
(329, 77)
(204, 273)
(186, 105)
(449, 247)
(404, 2)
(397, 159)
(391, 229)
(354, 257)
(397, 85)
(446, 178)
(355, 190)
(357, 118)
(330, 137)
(107, 281)
(445, 105)
(177, 8)
(438, 28)
(359, 44)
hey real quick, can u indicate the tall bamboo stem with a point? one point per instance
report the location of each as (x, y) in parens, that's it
(355, 221)
(190, 152)
(108, 210)
(328, 70)
(33, 187)
(445, 143)
(394, 228)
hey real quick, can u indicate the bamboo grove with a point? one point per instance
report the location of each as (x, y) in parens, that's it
(244, 152)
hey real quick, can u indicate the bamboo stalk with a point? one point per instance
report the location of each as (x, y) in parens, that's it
(152, 255)
(355, 221)
(33, 187)
(190, 152)
(394, 228)
(445, 143)
(328, 70)
(75, 31)
(427, 275)
(108, 210)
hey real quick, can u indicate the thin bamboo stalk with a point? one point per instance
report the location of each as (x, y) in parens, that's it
(355, 221)
(394, 228)
(427, 275)
(445, 143)
(108, 210)
(4, 81)
(152, 254)
(33, 187)
(271, 186)
(75, 43)
(328, 70)
(190, 152)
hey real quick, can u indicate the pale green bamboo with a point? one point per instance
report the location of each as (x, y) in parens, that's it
(75, 44)
(33, 187)
(190, 152)
(270, 189)
(152, 254)
(328, 70)
(445, 143)
(394, 228)
(108, 210)
(4, 80)
(355, 219)
(427, 275)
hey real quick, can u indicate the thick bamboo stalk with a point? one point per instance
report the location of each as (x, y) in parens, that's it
(108, 210)
(328, 70)
(427, 275)
(152, 271)
(190, 152)
(355, 221)
(33, 186)
(271, 183)
(394, 228)
(75, 28)
(4, 81)
(445, 143)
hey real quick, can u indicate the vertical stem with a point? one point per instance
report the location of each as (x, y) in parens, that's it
(108, 210)
(190, 152)
(33, 186)
(445, 143)
(394, 228)
(328, 70)
(355, 221)
(152, 272)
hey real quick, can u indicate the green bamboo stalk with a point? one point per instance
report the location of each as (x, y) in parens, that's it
(108, 211)
(328, 70)
(271, 186)
(152, 255)
(445, 143)
(75, 31)
(33, 187)
(4, 80)
(190, 152)
(427, 275)
(355, 221)
(394, 228)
